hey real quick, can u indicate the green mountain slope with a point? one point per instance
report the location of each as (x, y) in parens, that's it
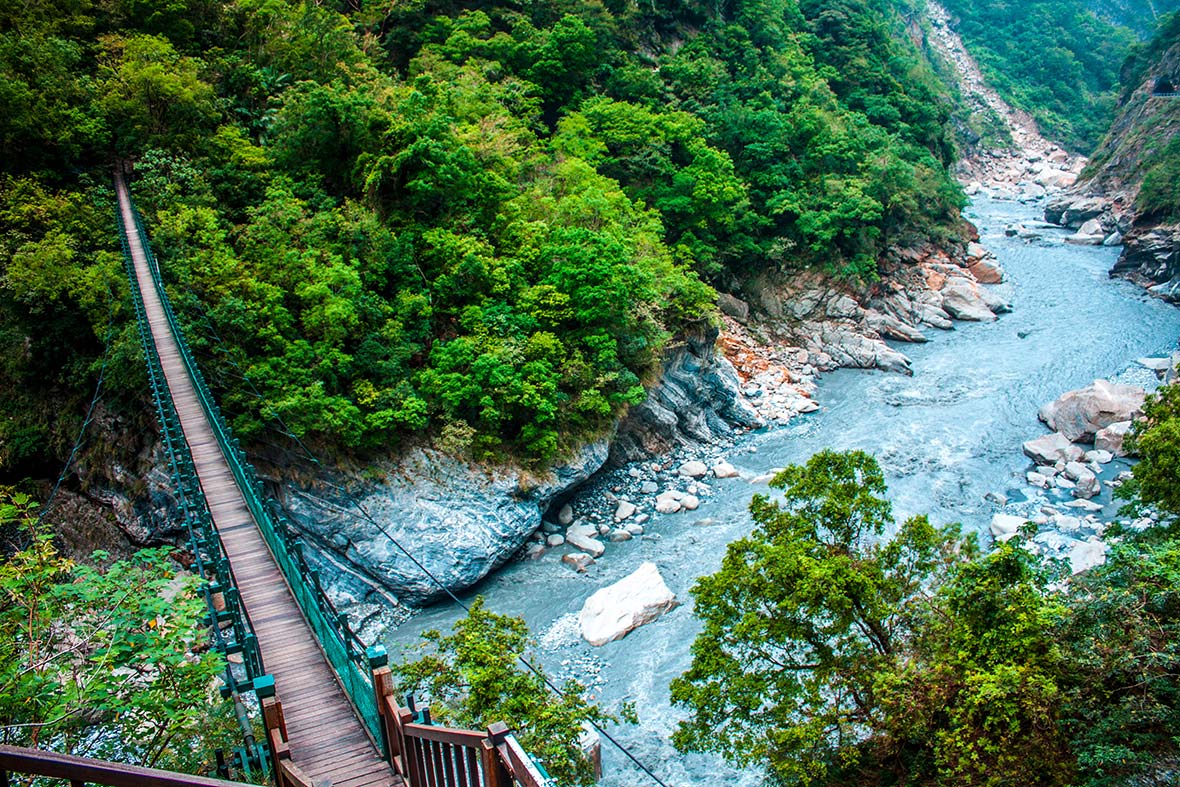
(477, 221)
(1055, 59)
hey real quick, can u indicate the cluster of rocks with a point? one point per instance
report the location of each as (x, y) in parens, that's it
(1022, 175)
(812, 324)
(621, 507)
(1062, 465)
(777, 380)
(1151, 258)
(1151, 251)
(1097, 221)
(1073, 466)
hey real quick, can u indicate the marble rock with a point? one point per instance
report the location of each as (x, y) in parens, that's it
(1111, 438)
(1086, 555)
(1051, 448)
(616, 610)
(1005, 526)
(584, 537)
(1080, 414)
(578, 561)
(724, 470)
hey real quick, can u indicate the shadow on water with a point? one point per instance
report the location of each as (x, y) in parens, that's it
(945, 437)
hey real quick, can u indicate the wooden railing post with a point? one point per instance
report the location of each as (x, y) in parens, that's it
(383, 692)
(494, 772)
(275, 725)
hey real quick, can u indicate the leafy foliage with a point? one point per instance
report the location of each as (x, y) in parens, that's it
(473, 220)
(106, 663)
(1069, 87)
(804, 620)
(834, 655)
(1155, 439)
(473, 679)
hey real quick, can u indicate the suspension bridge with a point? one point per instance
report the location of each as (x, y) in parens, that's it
(326, 700)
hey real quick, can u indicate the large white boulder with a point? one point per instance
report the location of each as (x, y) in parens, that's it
(1086, 555)
(1051, 448)
(1080, 414)
(614, 611)
(1005, 526)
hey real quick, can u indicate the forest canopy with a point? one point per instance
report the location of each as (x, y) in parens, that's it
(480, 222)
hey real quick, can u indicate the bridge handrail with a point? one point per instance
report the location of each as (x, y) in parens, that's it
(430, 756)
(208, 552)
(84, 770)
(343, 648)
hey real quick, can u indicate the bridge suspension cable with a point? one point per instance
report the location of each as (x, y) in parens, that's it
(94, 399)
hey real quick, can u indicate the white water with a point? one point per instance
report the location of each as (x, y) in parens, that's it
(945, 437)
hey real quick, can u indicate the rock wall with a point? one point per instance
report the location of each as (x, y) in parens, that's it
(1101, 207)
(697, 401)
(459, 521)
(462, 521)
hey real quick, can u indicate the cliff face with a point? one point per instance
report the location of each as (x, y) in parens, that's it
(1141, 147)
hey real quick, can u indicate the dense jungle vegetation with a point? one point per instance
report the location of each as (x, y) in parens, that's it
(479, 221)
(1058, 61)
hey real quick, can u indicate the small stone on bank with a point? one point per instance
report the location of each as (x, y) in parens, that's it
(724, 470)
(578, 561)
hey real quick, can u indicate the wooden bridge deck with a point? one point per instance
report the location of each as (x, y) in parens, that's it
(327, 740)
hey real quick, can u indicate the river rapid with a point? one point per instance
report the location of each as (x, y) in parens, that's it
(945, 438)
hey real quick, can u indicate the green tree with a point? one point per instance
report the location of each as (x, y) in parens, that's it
(1121, 696)
(106, 663)
(804, 619)
(151, 95)
(473, 678)
(976, 699)
(835, 654)
(1155, 438)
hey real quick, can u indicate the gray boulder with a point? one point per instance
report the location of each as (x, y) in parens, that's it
(584, 537)
(962, 299)
(1080, 414)
(1111, 438)
(458, 521)
(1051, 448)
(733, 306)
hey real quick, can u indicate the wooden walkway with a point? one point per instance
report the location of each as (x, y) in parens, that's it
(328, 741)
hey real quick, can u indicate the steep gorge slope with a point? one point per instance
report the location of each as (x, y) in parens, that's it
(1133, 182)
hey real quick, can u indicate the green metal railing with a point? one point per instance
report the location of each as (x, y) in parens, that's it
(222, 600)
(344, 649)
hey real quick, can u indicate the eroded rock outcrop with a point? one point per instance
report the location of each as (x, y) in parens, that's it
(698, 400)
(459, 521)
